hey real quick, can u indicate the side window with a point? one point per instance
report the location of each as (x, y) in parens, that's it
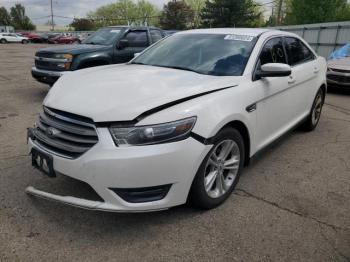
(137, 38)
(156, 35)
(273, 52)
(297, 52)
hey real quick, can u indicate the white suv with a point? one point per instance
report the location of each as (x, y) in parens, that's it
(180, 120)
(13, 38)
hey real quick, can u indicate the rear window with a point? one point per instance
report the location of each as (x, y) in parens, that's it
(297, 51)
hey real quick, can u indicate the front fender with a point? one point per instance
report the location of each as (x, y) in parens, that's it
(81, 59)
(213, 112)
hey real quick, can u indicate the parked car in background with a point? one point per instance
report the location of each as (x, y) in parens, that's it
(47, 36)
(83, 36)
(13, 38)
(338, 73)
(110, 45)
(179, 122)
(33, 38)
(64, 39)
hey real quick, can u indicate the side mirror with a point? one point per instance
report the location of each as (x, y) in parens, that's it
(274, 70)
(136, 54)
(123, 43)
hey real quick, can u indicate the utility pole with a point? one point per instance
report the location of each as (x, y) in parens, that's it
(279, 12)
(52, 23)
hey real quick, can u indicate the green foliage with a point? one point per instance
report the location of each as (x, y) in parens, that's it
(176, 15)
(231, 13)
(197, 7)
(5, 18)
(19, 19)
(316, 11)
(125, 12)
(82, 24)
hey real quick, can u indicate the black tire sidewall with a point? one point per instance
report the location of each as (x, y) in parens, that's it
(198, 196)
(309, 125)
(3, 41)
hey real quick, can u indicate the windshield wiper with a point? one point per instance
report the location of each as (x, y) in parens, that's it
(179, 67)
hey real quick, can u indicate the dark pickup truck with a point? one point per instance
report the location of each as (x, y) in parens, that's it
(110, 45)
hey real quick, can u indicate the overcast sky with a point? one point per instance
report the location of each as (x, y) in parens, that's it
(38, 9)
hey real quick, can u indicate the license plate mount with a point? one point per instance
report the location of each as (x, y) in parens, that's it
(43, 162)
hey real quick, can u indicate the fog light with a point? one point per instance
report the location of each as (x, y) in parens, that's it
(144, 194)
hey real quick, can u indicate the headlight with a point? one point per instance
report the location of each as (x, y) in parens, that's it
(153, 134)
(68, 57)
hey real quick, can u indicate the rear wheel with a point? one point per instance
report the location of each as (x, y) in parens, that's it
(25, 41)
(315, 114)
(220, 170)
(3, 41)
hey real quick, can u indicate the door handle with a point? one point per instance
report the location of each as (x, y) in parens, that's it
(316, 70)
(291, 80)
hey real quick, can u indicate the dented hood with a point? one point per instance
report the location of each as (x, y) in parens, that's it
(123, 92)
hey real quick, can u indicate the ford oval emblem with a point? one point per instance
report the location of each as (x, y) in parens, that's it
(52, 132)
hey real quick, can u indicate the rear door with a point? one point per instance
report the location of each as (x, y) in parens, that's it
(11, 38)
(156, 35)
(304, 74)
(138, 40)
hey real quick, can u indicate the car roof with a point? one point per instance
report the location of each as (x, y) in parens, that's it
(133, 27)
(240, 31)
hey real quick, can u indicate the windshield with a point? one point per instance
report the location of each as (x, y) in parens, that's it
(104, 36)
(210, 54)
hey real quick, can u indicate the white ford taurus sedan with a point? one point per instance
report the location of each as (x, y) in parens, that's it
(180, 121)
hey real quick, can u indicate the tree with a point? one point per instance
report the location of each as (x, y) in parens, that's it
(176, 15)
(82, 24)
(125, 12)
(5, 18)
(275, 19)
(316, 11)
(231, 13)
(19, 18)
(196, 6)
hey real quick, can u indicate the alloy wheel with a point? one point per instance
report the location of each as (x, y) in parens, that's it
(221, 168)
(316, 113)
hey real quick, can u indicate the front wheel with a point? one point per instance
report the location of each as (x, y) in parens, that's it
(25, 41)
(220, 170)
(3, 41)
(314, 117)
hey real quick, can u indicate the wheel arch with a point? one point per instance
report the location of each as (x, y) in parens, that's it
(243, 130)
(93, 62)
(323, 87)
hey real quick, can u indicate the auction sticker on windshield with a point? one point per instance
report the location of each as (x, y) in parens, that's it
(247, 38)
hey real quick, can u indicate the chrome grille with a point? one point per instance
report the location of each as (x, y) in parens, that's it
(64, 134)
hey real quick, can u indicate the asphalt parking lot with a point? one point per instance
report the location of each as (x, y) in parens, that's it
(291, 204)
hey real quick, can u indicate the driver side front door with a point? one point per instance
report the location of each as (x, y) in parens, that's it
(138, 40)
(275, 100)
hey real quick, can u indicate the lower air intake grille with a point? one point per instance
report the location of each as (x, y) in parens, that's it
(64, 134)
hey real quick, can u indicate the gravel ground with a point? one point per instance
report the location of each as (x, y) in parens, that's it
(291, 204)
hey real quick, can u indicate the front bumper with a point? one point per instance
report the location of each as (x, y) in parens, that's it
(106, 166)
(338, 79)
(46, 76)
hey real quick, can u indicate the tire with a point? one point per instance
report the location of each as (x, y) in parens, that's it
(3, 41)
(314, 117)
(210, 196)
(25, 42)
